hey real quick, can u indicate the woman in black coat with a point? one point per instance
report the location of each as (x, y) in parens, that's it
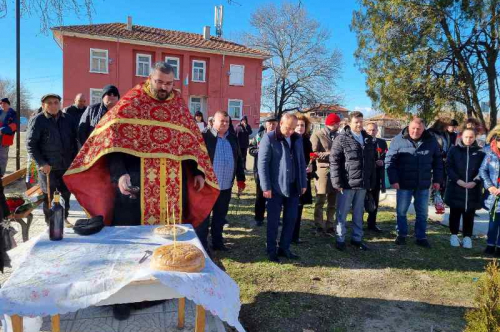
(463, 190)
(303, 128)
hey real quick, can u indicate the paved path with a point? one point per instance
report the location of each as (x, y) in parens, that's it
(162, 317)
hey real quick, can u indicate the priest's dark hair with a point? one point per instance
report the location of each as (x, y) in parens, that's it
(162, 66)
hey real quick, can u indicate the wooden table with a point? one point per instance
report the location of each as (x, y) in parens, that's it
(141, 290)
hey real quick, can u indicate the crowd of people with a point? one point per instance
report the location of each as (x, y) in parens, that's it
(347, 166)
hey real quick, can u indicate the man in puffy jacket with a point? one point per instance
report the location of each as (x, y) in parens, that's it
(414, 162)
(51, 143)
(8, 127)
(94, 113)
(352, 172)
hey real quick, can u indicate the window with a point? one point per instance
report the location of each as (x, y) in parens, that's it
(95, 96)
(174, 62)
(237, 75)
(198, 71)
(235, 109)
(195, 105)
(98, 61)
(143, 63)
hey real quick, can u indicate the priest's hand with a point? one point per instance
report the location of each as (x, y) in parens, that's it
(267, 194)
(199, 182)
(45, 169)
(124, 184)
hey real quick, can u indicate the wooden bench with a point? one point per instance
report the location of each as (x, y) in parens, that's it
(32, 192)
(19, 218)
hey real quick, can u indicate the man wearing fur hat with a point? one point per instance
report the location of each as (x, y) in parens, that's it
(321, 141)
(51, 143)
(94, 113)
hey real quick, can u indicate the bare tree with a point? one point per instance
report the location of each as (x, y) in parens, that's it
(8, 90)
(51, 12)
(301, 72)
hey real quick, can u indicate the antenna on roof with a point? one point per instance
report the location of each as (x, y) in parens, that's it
(219, 12)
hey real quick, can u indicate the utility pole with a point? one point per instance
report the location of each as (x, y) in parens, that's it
(18, 83)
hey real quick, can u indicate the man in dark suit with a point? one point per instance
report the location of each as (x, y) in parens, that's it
(225, 154)
(282, 175)
(380, 151)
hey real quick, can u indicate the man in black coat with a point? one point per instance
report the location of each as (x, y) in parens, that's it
(380, 151)
(352, 172)
(78, 108)
(94, 113)
(260, 201)
(243, 132)
(226, 158)
(51, 143)
(414, 162)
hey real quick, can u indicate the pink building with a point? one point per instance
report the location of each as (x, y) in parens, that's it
(211, 73)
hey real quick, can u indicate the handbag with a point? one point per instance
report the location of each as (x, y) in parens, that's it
(370, 205)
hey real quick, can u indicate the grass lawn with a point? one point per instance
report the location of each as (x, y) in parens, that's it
(388, 288)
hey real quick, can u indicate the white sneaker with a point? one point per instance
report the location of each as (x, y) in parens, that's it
(454, 241)
(467, 243)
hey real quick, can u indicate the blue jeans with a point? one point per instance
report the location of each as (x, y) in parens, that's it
(290, 207)
(346, 199)
(493, 238)
(421, 204)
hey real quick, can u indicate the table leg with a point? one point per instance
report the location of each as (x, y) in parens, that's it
(17, 323)
(24, 229)
(56, 323)
(181, 311)
(200, 319)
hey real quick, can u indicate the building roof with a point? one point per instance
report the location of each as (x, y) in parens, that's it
(159, 37)
(329, 108)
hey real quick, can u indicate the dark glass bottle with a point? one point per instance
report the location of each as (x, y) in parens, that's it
(56, 225)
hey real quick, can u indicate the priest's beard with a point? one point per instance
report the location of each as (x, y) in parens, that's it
(160, 94)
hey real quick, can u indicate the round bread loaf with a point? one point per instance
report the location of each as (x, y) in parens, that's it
(169, 230)
(184, 257)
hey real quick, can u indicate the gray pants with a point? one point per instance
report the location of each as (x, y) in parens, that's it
(4, 158)
(346, 199)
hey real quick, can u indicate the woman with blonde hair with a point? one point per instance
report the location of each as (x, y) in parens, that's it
(303, 129)
(489, 173)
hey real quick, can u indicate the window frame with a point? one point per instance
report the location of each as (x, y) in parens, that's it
(229, 108)
(137, 63)
(204, 71)
(178, 66)
(91, 92)
(242, 77)
(106, 60)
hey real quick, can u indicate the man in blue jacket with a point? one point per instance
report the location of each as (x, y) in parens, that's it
(282, 174)
(413, 163)
(8, 127)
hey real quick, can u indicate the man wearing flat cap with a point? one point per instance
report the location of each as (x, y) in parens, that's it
(94, 113)
(51, 143)
(260, 202)
(8, 127)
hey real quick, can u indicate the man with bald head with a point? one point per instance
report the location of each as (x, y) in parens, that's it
(226, 158)
(414, 163)
(76, 110)
(282, 174)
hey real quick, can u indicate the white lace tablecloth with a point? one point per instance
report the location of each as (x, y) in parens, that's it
(57, 277)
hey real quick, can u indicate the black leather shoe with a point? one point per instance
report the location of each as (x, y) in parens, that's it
(359, 245)
(273, 258)
(259, 223)
(340, 246)
(375, 229)
(297, 242)
(287, 253)
(121, 311)
(490, 250)
(330, 230)
(400, 240)
(423, 243)
(220, 247)
(497, 252)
